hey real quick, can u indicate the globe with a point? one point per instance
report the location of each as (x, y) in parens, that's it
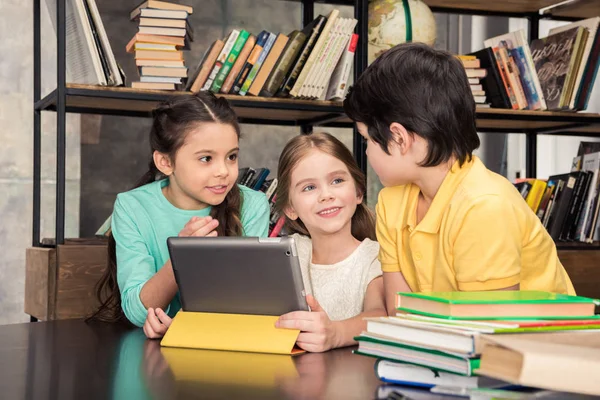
(392, 22)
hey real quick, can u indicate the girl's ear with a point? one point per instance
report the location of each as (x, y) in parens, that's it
(359, 197)
(290, 213)
(401, 137)
(163, 163)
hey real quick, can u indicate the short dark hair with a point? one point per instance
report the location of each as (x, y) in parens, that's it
(426, 91)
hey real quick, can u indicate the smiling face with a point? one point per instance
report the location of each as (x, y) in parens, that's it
(322, 194)
(205, 167)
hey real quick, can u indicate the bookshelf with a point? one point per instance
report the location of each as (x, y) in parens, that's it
(72, 98)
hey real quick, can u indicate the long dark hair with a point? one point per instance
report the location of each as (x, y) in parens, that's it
(363, 220)
(172, 120)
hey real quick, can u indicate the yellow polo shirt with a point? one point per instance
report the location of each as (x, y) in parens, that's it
(478, 234)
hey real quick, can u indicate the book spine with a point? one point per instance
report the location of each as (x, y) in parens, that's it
(314, 54)
(341, 73)
(278, 227)
(263, 55)
(591, 71)
(283, 65)
(239, 64)
(271, 190)
(531, 67)
(252, 59)
(340, 49)
(231, 57)
(221, 59)
(290, 79)
(575, 204)
(513, 77)
(574, 230)
(533, 99)
(267, 66)
(504, 75)
(338, 45)
(318, 64)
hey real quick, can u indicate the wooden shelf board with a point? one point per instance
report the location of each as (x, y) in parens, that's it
(581, 9)
(121, 101)
(128, 101)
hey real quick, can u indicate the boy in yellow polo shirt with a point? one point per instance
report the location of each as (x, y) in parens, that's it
(444, 221)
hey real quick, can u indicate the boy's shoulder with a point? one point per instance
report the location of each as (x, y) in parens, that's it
(481, 182)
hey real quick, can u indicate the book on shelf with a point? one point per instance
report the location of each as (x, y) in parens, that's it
(312, 31)
(89, 56)
(267, 65)
(564, 47)
(158, 5)
(338, 86)
(315, 53)
(238, 81)
(590, 60)
(227, 64)
(164, 32)
(237, 67)
(264, 52)
(201, 73)
(229, 42)
(283, 64)
(568, 204)
(258, 179)
(312, 63)
(552, 73)
(519, 53)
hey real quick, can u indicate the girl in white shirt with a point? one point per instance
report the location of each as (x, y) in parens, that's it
(321, 191)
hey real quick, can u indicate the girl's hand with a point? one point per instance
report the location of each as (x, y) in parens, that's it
(200, 226)
(318, 332)
(157, 323)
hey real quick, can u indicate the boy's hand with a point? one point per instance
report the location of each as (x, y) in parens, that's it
(200, 226)
(157, 323)
(318, 332)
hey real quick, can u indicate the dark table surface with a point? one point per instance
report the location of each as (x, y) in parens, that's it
(75, 360)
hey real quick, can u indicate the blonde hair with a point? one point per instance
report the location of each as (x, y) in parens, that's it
(363, 220)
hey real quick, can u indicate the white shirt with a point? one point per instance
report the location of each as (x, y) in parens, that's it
(339, 288)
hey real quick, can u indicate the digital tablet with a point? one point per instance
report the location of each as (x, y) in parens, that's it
(238, 275)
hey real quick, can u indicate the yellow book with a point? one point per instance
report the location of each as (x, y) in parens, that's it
(465, 57)
(536, 193)
(234, 332)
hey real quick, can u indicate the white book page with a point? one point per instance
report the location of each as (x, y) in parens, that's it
(81, 66)
(112, 62)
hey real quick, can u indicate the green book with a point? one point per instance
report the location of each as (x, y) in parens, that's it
(254, 71)
(417, 355)
(231, 57)
(525, 304)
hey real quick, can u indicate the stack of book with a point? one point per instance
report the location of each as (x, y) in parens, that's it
(314, 63)
(437, 339)
(164, 31)
(569, 204)
(258, 179)
(552, 73)
(475, 74)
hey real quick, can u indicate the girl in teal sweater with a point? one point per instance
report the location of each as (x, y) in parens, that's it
(189, 190)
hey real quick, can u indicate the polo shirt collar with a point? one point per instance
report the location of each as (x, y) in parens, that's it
(433, 218)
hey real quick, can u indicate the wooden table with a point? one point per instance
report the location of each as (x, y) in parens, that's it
(70, 359)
